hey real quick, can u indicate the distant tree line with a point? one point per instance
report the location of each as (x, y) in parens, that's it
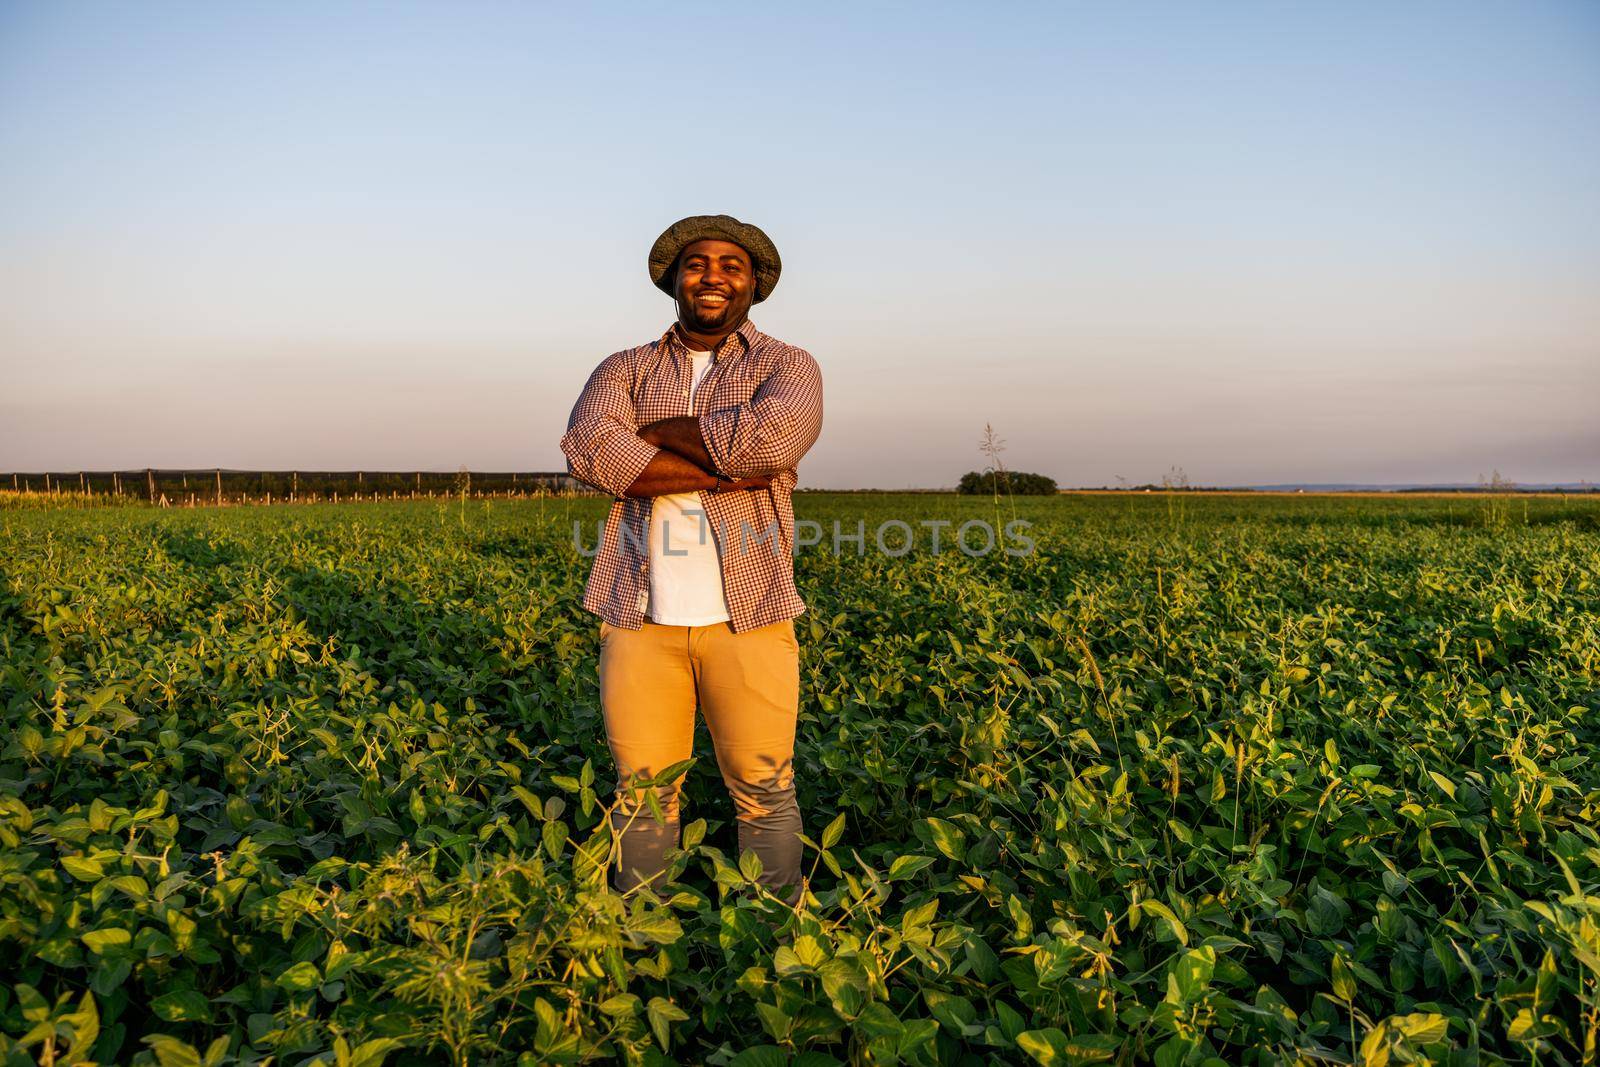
(1017, 483)
(213, 486)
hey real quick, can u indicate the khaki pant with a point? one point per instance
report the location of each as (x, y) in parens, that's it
(748, 687)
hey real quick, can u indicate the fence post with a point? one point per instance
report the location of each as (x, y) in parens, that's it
(150, 483)
(219, 486)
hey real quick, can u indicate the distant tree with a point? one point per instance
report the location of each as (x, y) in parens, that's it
(1019, 483)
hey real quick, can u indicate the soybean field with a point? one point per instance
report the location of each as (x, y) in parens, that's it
(1197, 780)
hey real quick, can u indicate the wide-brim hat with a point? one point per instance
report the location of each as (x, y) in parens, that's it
(685, 232)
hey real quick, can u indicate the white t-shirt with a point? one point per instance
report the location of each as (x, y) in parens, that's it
(685, 569)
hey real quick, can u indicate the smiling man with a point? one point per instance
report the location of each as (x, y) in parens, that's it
(698, 435)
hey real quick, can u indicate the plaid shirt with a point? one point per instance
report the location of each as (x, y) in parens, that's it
(760, 410)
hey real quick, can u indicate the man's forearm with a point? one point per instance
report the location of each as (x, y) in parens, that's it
(669, 472)
(680, 436)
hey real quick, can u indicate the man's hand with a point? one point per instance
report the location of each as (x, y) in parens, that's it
(740, 485)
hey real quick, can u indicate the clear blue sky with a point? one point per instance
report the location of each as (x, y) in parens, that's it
(1266, 242)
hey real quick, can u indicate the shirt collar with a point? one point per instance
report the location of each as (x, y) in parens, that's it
(735, 344)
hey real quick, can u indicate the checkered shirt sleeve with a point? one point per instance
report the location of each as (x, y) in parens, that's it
(602, 442)
(773, 429)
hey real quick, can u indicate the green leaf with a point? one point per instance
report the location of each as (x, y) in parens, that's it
(554, 836)
(750, 865)
(1050, 1046)
(1377, 1046)
(661, 1012)
(1344, 981)
(373, 1053)
(985, 964)
(1422, 1028)
(953, 1012)
(810, 951)
(622, 1005)
(1011, 1021)
(239, 812)
(107, 940)
(1527, 1027)
(1017, 908)
(845, 985)
(83, 868)
(170, 1052)
(1326, 912)
(878, 1020)
(672, 772)
(85, 1028)
(1161, 911)
(906, 866)
(657, 925)
(216, 1050)
(131, 885)
(1191, 975)
(833, 831)
(529, 800)
(35, 1009)
(1443, 783)
(921, 915)
(1547, 983)
(301, 977)
(948, 838)
(182, 1006)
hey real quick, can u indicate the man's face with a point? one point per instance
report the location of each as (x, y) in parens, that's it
(715, 286)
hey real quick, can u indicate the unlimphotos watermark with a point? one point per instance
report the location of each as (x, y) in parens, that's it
(891, 537)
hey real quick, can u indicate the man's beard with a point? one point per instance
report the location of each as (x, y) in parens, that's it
(703, 317)
(713, 319)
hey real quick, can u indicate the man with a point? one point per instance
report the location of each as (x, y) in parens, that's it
(698, 435)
